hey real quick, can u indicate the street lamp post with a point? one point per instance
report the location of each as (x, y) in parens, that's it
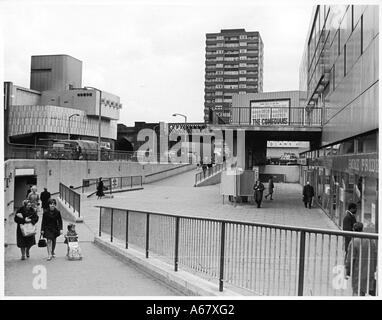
(99, 121)
(182, 115)
(72, 115)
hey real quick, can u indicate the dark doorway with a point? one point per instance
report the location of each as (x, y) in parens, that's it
(22, 184)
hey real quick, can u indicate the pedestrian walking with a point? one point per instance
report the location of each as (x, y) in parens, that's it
(34, 199)
(361, 264)
(308, 194)
(259, 189)
(100, 189)
(44, 197)
(25, 215)
(51, 227)
(349, 221)
(270, 188)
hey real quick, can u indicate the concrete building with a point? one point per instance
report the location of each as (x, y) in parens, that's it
(339, 74)
(55, 72)
(271, 116)
(234, 64)
(57, 105)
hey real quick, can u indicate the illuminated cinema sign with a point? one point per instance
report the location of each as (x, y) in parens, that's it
(268, 113)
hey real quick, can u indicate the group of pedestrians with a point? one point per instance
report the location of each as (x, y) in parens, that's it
(27, 216)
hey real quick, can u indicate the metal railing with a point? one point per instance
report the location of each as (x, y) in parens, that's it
(263, 258)
(15, 151)
(72, 198)
(266, 116)
(200, 176)
(112, 183)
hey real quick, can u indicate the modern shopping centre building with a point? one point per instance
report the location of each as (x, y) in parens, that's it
(56, 104)
(339, 74)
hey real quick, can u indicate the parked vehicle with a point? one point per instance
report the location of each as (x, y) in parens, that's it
(77, 150)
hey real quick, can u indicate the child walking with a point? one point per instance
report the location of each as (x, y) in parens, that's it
(71, 239)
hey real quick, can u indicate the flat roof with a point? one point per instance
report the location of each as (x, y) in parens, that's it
(55, 55)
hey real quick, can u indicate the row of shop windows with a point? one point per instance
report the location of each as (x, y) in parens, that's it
(337, 186)
(334, 190)
(362, 144)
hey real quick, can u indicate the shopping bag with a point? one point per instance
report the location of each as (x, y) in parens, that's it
(28, 229)
(74, 251)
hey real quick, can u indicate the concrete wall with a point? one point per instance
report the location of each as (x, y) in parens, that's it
(70, 172)
(292, 173)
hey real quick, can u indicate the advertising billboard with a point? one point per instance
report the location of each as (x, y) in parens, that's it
(268, 113)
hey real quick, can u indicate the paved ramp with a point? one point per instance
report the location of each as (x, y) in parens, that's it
(98, 274)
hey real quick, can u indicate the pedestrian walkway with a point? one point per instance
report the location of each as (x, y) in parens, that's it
(177, 195)
(101, 274)
(98, 274)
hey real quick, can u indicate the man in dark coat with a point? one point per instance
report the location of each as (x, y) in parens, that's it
(100, 189)
(259, 189)
(349, 221)
(44, 197)
(308, 193)
(270, 188)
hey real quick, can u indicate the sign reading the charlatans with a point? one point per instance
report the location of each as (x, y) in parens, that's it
(268, 113)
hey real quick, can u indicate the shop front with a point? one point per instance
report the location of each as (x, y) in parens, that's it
(340, 180)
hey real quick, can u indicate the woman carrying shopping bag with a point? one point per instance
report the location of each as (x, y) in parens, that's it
(26, 219)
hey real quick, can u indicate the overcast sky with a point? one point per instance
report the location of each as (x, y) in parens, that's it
(151, 54)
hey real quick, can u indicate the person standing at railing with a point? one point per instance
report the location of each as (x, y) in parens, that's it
(259, 189)
(45, 196)
(349, 221)
(51, 227)
(361, 264)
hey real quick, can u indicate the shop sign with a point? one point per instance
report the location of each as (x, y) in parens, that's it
(363, 164)
(267, 113)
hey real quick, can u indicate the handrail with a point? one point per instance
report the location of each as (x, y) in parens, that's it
(108, 180)
(170, 169)
(246, 253)
(201, 176)
(293, 116)
(71, 197)
(256, 224)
